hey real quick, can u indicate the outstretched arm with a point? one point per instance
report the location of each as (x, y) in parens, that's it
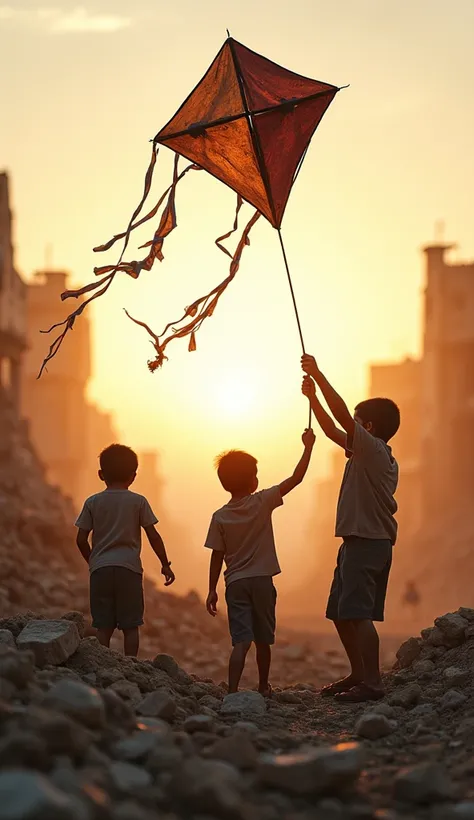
(336, 404)
(323, 418)
(82, 541)
(300, 470)
(158, 547)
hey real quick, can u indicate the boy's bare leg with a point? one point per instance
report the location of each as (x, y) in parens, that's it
(104, 636)
(236, 664)
(131, 641)
(368, 641)
(349, 634)
(264, 657)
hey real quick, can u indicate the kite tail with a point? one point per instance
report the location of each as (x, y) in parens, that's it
(107, 272)
(203, 307)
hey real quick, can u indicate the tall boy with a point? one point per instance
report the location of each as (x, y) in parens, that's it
(241, 534)
(115, 517)
(365, 521)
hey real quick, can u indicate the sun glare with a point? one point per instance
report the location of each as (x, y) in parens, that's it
(234, 395)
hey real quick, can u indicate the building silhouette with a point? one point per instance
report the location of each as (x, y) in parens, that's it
(12, 306)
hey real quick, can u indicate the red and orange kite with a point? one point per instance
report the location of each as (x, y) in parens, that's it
(249, 123)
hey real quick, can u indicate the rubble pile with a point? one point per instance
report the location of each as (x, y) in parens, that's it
(87, 734)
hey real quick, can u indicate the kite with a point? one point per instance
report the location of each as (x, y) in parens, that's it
(249, 123)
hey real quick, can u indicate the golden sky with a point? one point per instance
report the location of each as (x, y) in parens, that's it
(84, 87)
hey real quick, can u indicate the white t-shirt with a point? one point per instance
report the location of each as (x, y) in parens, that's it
(243, 531)
(115, 518)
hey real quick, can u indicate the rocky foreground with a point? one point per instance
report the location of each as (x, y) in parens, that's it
(86, 734)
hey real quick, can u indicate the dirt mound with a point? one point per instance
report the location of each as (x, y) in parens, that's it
(86, 734)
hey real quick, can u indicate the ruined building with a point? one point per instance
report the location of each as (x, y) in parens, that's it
(12, 306)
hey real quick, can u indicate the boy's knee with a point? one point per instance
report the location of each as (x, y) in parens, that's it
(242, 647)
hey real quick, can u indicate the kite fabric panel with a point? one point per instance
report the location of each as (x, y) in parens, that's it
(248, 122)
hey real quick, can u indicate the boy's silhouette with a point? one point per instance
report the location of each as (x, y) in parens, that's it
(365, 521)
(115, 517)
(241, 535)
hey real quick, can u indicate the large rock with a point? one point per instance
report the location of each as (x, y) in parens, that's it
(29, 796)
(317, 771)
(236, 749)
(209, 787)
(52, 642)
(248, 704)
(456, 677)
(158, 704)
(16, 667)
(406, 696)
(6, 638)
(451, 700)
(453, 628)
(373, 726)
(81, 702)
(409, 652)
(424, 783)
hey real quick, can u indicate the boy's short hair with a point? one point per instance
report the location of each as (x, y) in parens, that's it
(384, 415)
(118, 463)
(236, 470)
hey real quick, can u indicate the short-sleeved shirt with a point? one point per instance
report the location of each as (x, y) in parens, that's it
(366, 506)
(243, 531)
(115, 518)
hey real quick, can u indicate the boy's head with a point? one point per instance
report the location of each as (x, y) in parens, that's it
(381, 417)
(237, 472)
(118, 465)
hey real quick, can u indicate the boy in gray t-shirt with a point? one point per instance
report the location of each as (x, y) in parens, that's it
(116, 517)
(365, 521)
(241, 534)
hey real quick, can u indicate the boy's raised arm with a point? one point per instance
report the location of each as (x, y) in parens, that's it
(336, 404)
(299, 473)
(323, 418)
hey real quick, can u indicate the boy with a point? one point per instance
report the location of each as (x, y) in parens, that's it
(241, 534)
(115, 516)
(365, 521)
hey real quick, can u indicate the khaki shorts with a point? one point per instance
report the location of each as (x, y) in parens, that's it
(251, 604)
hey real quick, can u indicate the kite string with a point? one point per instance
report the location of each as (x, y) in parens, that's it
(295, 306)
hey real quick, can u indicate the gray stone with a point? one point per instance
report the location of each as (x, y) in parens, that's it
(210, 702)
(455, 676)
(469, 632)
(137, 746)
(29, 796)
(466, 612)
(423, 668)
(167, 664)
(424, 783)
(81, 702)
(127, 690)
(77, 618)
(52, 642)
(246, 726)
(383, 709)
(198, 723)
(452, 699)
(409, 652)
(129, 778)
(373, 726)
(16, 667)
(208, 786)
(158, 704)
(434, 637)
(316, 771)
(407, 696)
(244, 703)
(422, 710)
(236, 749)
(453, 628)
(6, 638)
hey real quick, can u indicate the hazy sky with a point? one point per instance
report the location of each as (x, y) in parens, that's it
(84, 87)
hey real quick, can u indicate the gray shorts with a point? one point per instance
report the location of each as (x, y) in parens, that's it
(251, 610)
(360, 580)
(116, 598)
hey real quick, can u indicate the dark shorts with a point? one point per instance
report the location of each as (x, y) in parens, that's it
(360, 580)
(251, 609)
(116, 598)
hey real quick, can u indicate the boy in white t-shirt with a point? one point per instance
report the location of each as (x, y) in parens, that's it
(115, 517)
(241, 535)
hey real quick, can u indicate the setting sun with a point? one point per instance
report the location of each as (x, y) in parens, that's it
(235, 394)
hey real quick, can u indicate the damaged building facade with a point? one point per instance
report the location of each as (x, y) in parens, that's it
(12, 305)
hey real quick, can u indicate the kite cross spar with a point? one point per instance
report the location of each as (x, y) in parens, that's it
(249, 123)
